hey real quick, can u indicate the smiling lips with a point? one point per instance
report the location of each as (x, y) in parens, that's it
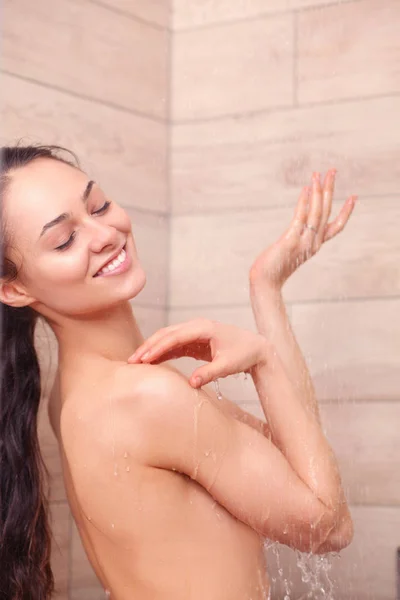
(113, 265)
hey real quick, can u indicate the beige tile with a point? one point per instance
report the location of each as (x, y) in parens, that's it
(84, 584)
(352, 348)
(124, 153)
(211, 256)
(264, 160)
(243, 67)
(89, 50)
(153, 11)
(199, 13)
(365, 438)
(60, 524)
(364, 571)
(349, 50)
(151, 239)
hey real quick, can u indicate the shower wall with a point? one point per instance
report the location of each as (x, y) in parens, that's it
(262, 94)
(92, 76)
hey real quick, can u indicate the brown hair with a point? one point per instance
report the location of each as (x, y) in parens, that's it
(25, 535)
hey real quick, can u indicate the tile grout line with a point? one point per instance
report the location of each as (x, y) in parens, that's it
(128, 15)
(232, 210)
(201, 120)
(289, 304)
(84, 97)
(284, 108)
(263, 15)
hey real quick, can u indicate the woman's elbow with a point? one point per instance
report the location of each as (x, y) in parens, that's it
(339, 538)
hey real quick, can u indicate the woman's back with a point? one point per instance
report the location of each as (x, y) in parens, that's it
(148, 532)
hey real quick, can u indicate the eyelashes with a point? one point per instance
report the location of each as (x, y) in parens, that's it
(73, 234)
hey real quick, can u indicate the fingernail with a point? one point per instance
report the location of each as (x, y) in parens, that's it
(198, 381)
(146, 354)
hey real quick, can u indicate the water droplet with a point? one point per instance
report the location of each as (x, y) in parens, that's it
(128, 469)
(216, 385)
(126, 455)
(112, 525)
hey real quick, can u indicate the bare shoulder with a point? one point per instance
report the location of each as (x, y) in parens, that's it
(114, 410)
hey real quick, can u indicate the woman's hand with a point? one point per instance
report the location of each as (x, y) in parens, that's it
(307, 232)
(228, 348)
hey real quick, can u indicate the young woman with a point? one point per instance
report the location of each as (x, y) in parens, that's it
(172, 489)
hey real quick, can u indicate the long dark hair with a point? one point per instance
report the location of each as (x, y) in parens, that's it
(25, 533)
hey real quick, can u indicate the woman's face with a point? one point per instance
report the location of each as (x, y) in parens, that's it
(59, 256)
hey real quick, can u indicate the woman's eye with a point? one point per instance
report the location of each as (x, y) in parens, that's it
(103, 208)
(72, 236)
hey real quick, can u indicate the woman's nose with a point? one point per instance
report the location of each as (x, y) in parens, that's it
(102, 235)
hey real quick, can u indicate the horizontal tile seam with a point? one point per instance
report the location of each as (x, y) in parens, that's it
(262, 15)
(281, 108)
(85, 98)
(232, 210)
(289, 304)
(128, 15)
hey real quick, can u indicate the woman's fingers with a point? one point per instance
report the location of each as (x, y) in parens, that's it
(147, 344)
(301, 212)
(327, 197)
(167, 340)
(314, 216)
(219, 367)
(339, 223)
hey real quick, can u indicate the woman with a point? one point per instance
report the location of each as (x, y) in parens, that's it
(172, 489)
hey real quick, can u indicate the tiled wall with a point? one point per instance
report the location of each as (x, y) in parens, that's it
(92, 76)
(263, 93)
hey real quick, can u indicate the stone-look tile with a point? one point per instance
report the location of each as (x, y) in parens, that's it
(211, 256)
(366, 570)
(60, 525)
(199, 13)
(264, 160)
(243, 67)
(352, 348)
(126, 154)
(349, 50)
(150, 233)
(153, 11)
(84, 584)
(89, 50)
(364, 437)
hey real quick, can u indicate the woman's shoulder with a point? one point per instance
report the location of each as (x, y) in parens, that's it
(111, 403)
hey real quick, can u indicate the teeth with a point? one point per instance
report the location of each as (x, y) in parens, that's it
(114, 264)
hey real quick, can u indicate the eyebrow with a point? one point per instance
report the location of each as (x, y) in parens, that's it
(64, 215)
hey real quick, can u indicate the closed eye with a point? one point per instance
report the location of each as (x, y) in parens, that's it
(72, 236)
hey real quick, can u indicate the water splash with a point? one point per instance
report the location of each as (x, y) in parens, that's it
(217, 390)
(315, 570)
(315, 573)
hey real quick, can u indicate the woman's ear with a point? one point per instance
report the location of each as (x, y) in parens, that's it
(14, 295)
